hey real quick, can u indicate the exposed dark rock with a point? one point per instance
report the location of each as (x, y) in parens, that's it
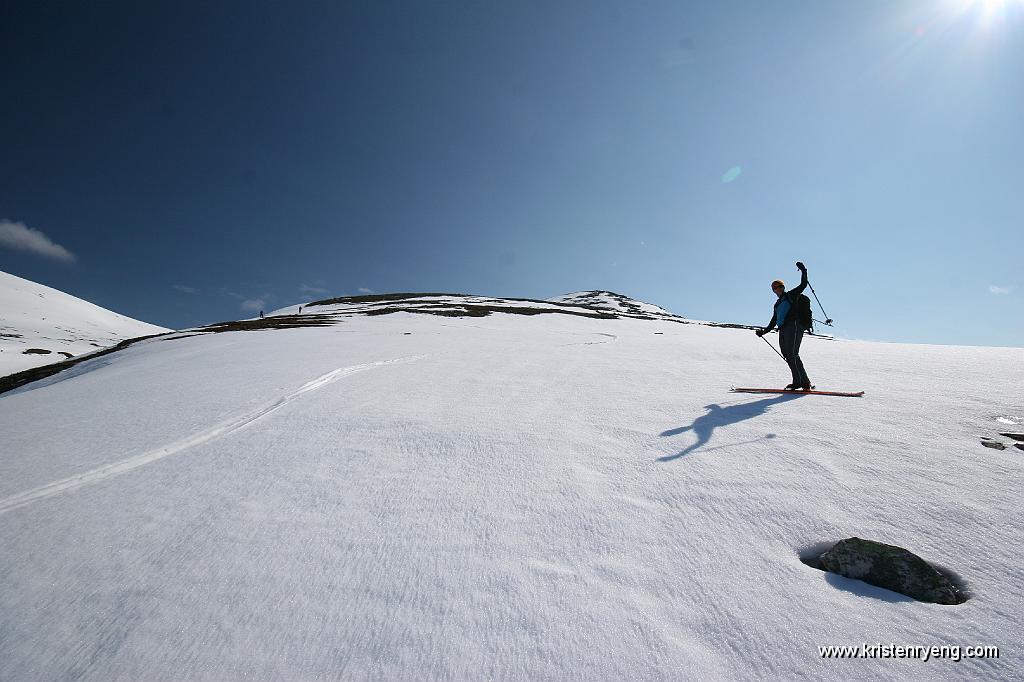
(482, 310)
(463, 311)
(275, 322)
(892, 568)
(994, 444)
(374, 298)
(1019, 446)
(66, 354)
(36, 351)
(1015, 436)
(183, 336)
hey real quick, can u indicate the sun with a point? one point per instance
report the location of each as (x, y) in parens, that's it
(992, 6)
(979, 5)
(986, 7)
(985, 12)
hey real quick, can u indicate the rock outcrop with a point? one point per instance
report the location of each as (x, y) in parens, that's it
(892, 568)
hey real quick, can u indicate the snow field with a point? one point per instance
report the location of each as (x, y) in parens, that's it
(508, 501)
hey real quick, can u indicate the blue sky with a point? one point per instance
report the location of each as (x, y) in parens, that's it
(186, 163)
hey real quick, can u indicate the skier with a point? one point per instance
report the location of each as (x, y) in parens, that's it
(791, 332)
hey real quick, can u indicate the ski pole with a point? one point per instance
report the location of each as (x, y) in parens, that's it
(774, 348)
(828, 320)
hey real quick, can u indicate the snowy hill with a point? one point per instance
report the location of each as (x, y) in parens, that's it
(608, 300)
(461, 487)
(597, 304)
(40, 325)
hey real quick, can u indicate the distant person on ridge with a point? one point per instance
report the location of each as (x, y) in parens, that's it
(786, 316)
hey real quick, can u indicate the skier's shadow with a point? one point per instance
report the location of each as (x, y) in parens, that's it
(704, 426)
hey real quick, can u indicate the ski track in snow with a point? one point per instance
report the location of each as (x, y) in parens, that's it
(220, 430)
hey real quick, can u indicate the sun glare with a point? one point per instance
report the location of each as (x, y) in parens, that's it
(986, 10)
(991, 6)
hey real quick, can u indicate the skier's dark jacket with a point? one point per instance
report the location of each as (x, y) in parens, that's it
(792, 298)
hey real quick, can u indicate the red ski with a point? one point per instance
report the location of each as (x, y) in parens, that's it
(783, 390)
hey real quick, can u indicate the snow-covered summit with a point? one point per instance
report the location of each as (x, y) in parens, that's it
(40, 325)
(595, 304)
(609, 300)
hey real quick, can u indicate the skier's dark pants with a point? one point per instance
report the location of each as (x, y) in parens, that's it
(790, 337)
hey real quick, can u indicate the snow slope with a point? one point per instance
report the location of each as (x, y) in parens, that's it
(33, 316)
(547, 495)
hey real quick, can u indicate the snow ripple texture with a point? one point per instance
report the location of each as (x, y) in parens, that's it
(538, 498)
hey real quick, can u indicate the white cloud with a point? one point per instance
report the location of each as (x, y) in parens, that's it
(999, 291)
(364, 290)
(23, 238)
(254, 304)
(312, 290)
(186, 290)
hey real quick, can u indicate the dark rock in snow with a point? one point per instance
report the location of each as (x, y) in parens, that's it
(994, 444)
(35, 351)
(1014, 436)
(892, 568)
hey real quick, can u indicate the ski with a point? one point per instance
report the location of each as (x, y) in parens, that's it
(798, 392)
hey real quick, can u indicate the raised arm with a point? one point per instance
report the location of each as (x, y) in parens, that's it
(799, 289)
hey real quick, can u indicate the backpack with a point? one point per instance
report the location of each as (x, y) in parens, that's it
(804, 316)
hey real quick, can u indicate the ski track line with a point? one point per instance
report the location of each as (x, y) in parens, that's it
(217, 431)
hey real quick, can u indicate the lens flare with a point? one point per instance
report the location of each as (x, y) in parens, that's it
(731, 174)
